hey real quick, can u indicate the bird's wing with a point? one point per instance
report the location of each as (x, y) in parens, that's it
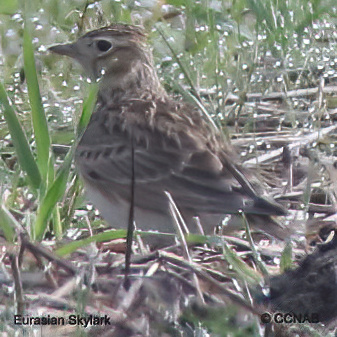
(178, 162)
(105, 152)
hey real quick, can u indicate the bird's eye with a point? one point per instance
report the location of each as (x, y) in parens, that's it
(103, 45)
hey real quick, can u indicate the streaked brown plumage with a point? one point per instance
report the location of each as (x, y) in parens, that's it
(175, 149)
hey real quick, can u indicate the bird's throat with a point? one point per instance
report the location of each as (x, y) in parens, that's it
(136, 82)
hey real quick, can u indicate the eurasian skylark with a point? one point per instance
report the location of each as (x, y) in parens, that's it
(175, 149)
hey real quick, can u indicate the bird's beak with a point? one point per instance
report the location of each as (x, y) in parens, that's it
(73, 50)
(65, 49)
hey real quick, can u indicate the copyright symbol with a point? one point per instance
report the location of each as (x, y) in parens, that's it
(265, 318)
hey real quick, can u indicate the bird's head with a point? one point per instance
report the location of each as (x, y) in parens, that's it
(116, 53)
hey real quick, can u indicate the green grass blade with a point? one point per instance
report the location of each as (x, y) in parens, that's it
(57, 222)
(21, 145)
(40, 126)
(88, 107)
(8, 223)
(286, 257)
(244, 271)
(58, 187)
(53, 195)
(105, 236)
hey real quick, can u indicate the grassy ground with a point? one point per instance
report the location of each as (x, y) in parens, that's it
(245, 63)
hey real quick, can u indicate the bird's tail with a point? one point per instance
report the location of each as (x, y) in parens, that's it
(260, 222)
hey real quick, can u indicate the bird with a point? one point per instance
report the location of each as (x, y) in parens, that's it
(139, 133)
